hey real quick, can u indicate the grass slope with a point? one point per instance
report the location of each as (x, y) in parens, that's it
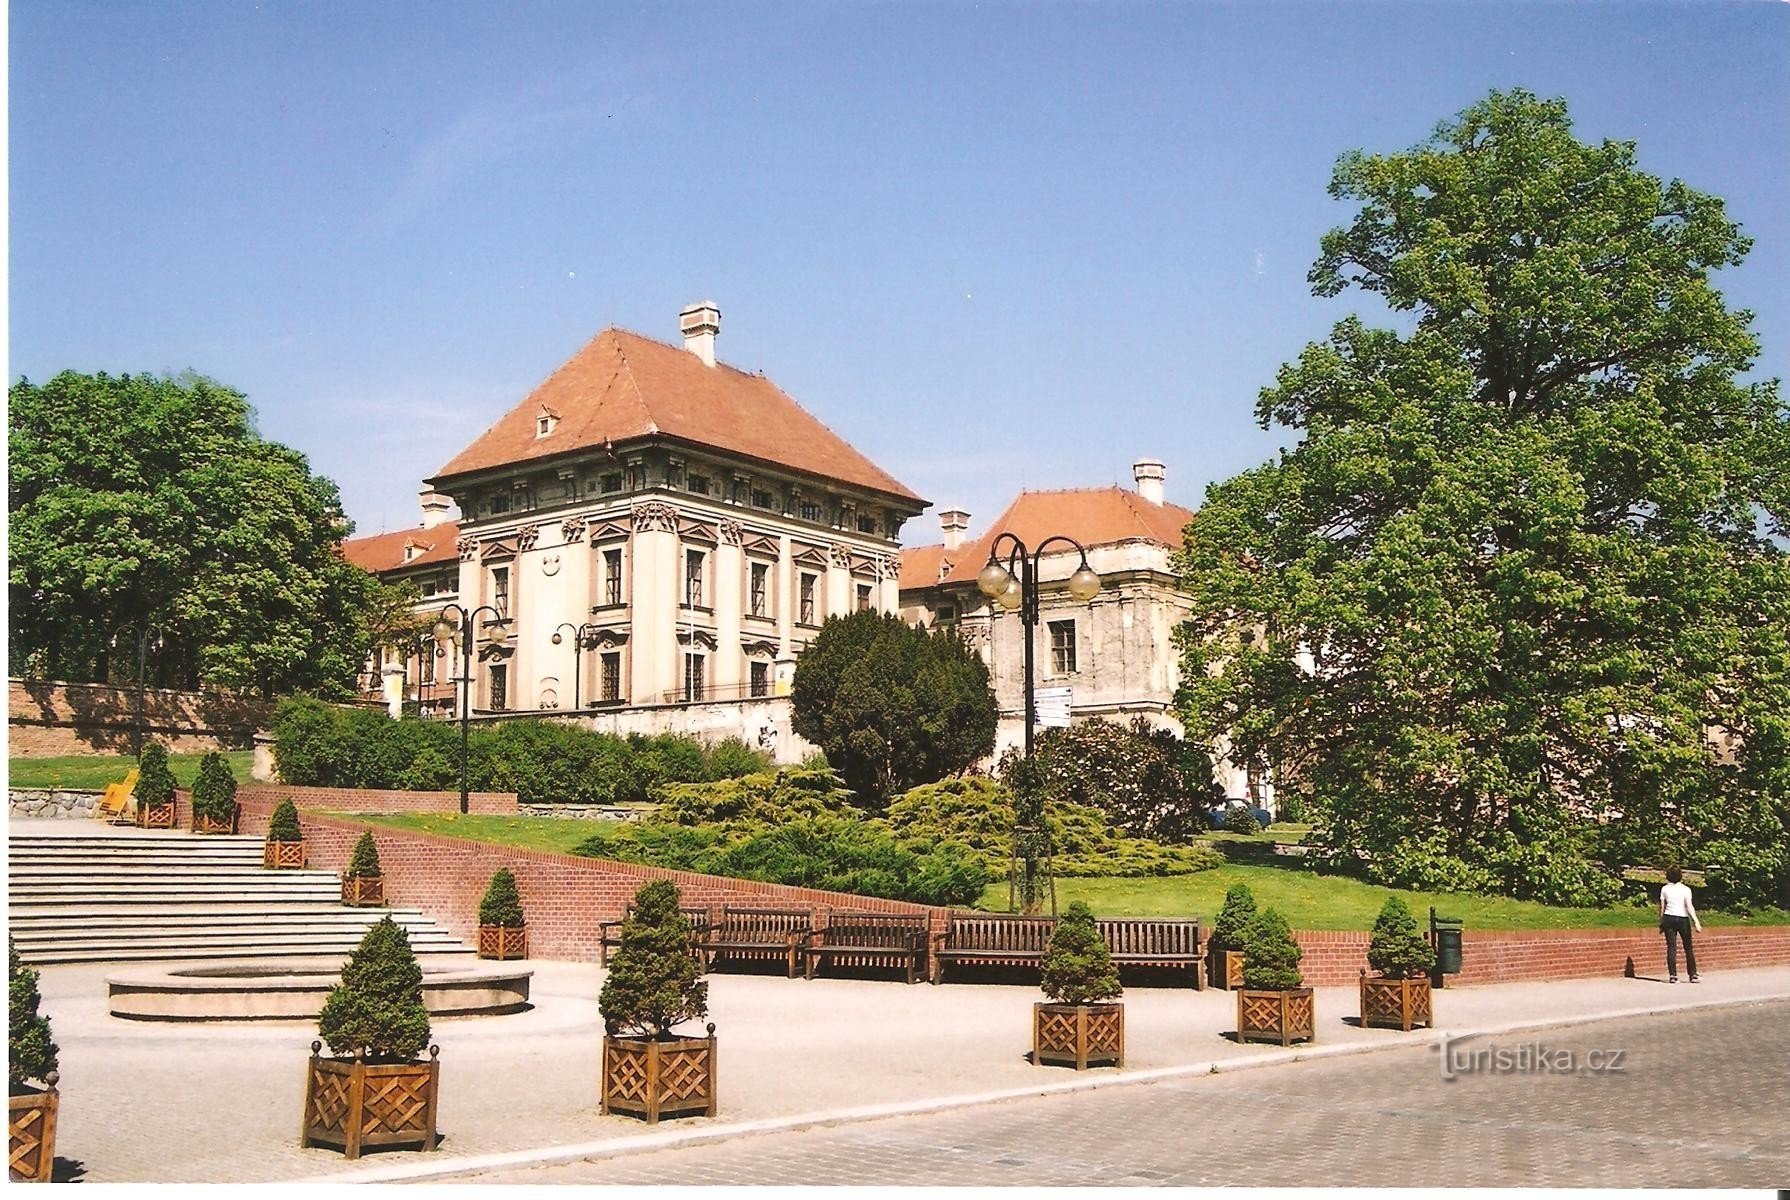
(92, 772)
(528, 833)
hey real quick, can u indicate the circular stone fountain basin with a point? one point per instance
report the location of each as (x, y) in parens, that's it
(286, 991)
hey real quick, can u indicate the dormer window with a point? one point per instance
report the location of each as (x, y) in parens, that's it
(545, 421)
(411, 550)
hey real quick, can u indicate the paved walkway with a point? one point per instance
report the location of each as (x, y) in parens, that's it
(146, 1102)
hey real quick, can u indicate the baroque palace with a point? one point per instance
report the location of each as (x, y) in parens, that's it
(652, 537)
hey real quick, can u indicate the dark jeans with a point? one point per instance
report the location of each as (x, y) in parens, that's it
(1674, 928)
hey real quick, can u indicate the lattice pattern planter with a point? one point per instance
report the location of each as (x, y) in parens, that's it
(31, 1134)
(283, 856)
(1284, 1017)
(363, 891)
(1079, 1035)
(1396, 1003)
(652, 1079)
(161, 816)
(1227, 969)
(503, 941)
(354, 1104)
(204, 824)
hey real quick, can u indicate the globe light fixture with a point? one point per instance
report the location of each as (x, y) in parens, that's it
(1012, 596)
(1084, 585)
(994, 579)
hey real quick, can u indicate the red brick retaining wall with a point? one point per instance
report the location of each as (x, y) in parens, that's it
(373, 800)
(48, 718)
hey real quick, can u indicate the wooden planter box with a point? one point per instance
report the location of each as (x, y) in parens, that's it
(1079, 1035)
(653, 1079)
(1284, 1017)
(363, 891)
(283, 856)
(213, 825)
(159, 817)
(1227, 968)
(503, 941)
(1396, 1003)
(355, 1104)
(31, 1134)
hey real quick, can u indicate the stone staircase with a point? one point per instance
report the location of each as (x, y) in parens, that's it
(102, 894)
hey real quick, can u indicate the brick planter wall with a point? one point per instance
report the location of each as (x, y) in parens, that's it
(371, 800)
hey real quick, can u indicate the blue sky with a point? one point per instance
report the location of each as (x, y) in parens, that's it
(993, 245)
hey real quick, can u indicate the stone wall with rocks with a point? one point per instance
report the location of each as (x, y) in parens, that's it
(51, 802)
(46, 718)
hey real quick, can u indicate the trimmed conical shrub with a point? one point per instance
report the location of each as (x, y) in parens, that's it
(377, 1010)
(1234, 917)
(653, 981)
(1078, 967)
(214, 791)
(363, 861)
(282, 826)
(155, 782)
(501, 905)
(30, 1052)
(1270, 955)
(1397, 948)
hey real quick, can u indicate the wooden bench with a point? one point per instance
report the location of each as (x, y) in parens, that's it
(610, 932)
(984, 940)
(873, 939)
(759, 934)
(1138, 942)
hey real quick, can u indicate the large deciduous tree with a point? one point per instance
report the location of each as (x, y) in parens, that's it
(148, 501)
(893, 706)
(1514, 610)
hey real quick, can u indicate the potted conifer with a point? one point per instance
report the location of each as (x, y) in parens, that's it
(363, 886)
(377, 1090)
(1398, 996)
(155, 788)
(502, 931)
(1272, 1006)
(1077, 1029)
(654, 983)
(214, 796)
(1225, 950)
(284, 848)
(31, 1077)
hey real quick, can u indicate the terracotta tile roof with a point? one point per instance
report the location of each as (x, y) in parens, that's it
(622, 386)
(383, 552)
(1092, 516)
(920, 565)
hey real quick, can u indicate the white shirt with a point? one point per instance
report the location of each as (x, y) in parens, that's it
(1675, 900)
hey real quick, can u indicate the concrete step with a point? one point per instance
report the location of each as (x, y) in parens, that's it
(270, 950)
(114, 876)
(273, 911)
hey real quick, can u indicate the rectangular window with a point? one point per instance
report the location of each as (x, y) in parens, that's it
(500, 503)
(500, 687)
(863, 597)
(807, 609)
(612, 675)
(698, 484)
(763, 499)
(866, 524)
(500, 590)
(810, 511)
(612, 577)
(761, 679)
(761, 576)
(611, 482)
(693, 578)
(692, 677)
(1062, 647)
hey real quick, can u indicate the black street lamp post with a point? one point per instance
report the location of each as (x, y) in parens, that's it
(1015, 586)
(459, 632)
(145, 637)
(581, 635)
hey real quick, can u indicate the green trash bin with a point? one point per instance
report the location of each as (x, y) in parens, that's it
(1445, 937)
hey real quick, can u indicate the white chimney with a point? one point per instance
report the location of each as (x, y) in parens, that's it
(435, 508)
(700, 323)
(1149, 473)
(955, 522)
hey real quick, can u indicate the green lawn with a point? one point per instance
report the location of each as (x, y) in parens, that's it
(528, 833)
(1312, 901)
(95, 771)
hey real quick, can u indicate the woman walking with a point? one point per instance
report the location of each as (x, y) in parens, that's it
(1677, 917)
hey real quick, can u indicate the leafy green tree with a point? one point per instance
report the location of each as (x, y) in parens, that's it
(1270, 955)
(1147, 781)
(654, 982)
(30, 1051)
(282, 824)
(1397, 948)
(501, 905)
(1078, 966)
(155, 781)
(152, 502)
(1515, 608)
(892, 706)
(214, 788)
(377, 1010)
(363, 860)
(1234, 917)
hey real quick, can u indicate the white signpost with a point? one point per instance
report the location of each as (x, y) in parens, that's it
(1053, 706)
